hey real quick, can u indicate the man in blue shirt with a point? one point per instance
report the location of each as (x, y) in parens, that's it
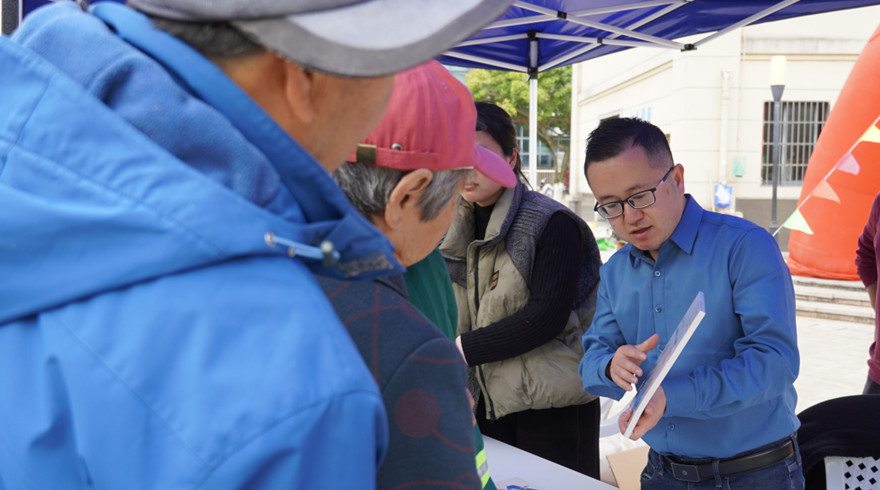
(725, 413)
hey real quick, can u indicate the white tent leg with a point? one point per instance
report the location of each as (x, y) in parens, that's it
(10, 11)
(533, 132)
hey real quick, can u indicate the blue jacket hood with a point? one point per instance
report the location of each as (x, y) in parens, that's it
(99, 190)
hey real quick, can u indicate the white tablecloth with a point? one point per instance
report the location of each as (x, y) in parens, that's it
(509, 464)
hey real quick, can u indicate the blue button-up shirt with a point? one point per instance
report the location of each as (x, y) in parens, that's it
(731, 389)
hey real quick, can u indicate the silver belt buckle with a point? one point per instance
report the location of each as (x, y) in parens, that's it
(685, 472)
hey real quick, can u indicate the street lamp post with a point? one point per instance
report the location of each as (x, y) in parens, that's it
(777, 86)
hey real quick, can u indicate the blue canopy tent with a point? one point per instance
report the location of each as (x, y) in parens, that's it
(538, 35)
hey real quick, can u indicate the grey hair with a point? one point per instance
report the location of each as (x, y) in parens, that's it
(369, 187)
(214, 40)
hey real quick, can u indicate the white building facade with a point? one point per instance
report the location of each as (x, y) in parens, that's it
(715, 105)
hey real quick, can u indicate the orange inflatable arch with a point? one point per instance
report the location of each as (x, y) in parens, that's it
(842, 178)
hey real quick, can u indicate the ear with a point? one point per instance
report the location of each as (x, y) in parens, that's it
(403, 203)
(678, 178)
(512, 159)
(299, 86)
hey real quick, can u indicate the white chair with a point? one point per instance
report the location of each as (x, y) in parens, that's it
(839, 441)
(608, 421)
(843, 472)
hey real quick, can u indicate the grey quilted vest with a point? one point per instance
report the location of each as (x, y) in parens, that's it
(495, 274)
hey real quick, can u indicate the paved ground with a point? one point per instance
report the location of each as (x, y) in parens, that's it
(833, 359)
(833, 364)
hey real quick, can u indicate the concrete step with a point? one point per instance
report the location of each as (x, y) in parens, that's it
(832, 295)
(834, 311)
(827, 283)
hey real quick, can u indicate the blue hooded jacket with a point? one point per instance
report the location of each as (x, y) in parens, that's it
(154, 330)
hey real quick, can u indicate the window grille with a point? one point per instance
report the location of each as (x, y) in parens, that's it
(801, 124)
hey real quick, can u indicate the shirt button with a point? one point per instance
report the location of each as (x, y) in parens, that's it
(671, 426)
(657, 274)
(658, 308)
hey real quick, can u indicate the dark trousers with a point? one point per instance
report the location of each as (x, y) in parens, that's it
(785, 474)
(568, 436)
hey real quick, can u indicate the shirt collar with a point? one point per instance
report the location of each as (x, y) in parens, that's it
(685, 233)
(684, 236)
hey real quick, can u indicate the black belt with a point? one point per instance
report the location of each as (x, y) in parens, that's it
(696, 472)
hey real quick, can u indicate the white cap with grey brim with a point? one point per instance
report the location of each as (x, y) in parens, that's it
(358, 38)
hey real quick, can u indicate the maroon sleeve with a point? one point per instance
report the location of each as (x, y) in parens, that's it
(866, 254)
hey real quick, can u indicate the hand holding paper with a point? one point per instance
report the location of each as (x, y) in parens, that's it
(654, 410)
(646, 395)
(624, 368)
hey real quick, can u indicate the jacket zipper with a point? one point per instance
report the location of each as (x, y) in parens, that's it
(489, 405)
(476, 277)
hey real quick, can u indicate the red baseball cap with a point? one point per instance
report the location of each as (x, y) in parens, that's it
(430, 123)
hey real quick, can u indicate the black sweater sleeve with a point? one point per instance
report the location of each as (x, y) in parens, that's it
(558, 254)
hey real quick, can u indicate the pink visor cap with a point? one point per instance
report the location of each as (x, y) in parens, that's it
(430, 123)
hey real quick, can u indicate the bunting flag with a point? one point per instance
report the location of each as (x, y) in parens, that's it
(797, 222)
(848, 164)
(871, 135)
(824, 191)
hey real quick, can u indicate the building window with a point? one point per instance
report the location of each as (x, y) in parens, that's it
(801, 124)
(545, 161)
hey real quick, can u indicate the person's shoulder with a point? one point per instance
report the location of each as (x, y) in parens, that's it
(555, 211)
(377, 313)
(875, 207)
(731, 224)
(383, 296)
(537, 196)
(60, 15)
(728, 234)
(543, 202)
(404, 319)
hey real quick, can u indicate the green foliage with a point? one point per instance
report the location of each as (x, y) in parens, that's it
(510, 90)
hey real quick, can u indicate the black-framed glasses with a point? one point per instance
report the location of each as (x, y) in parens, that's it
(639, 200)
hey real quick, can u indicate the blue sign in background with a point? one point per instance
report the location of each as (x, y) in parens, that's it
(723, 196)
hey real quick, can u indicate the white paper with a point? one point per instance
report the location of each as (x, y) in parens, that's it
(673, 348)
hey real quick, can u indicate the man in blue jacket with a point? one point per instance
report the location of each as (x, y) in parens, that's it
(164, 202)
(724, 414)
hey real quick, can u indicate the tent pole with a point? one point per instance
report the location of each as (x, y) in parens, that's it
(533, 110)
(10, 13)
(533, 132)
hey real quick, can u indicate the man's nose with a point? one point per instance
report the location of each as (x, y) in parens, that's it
(631, 214)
